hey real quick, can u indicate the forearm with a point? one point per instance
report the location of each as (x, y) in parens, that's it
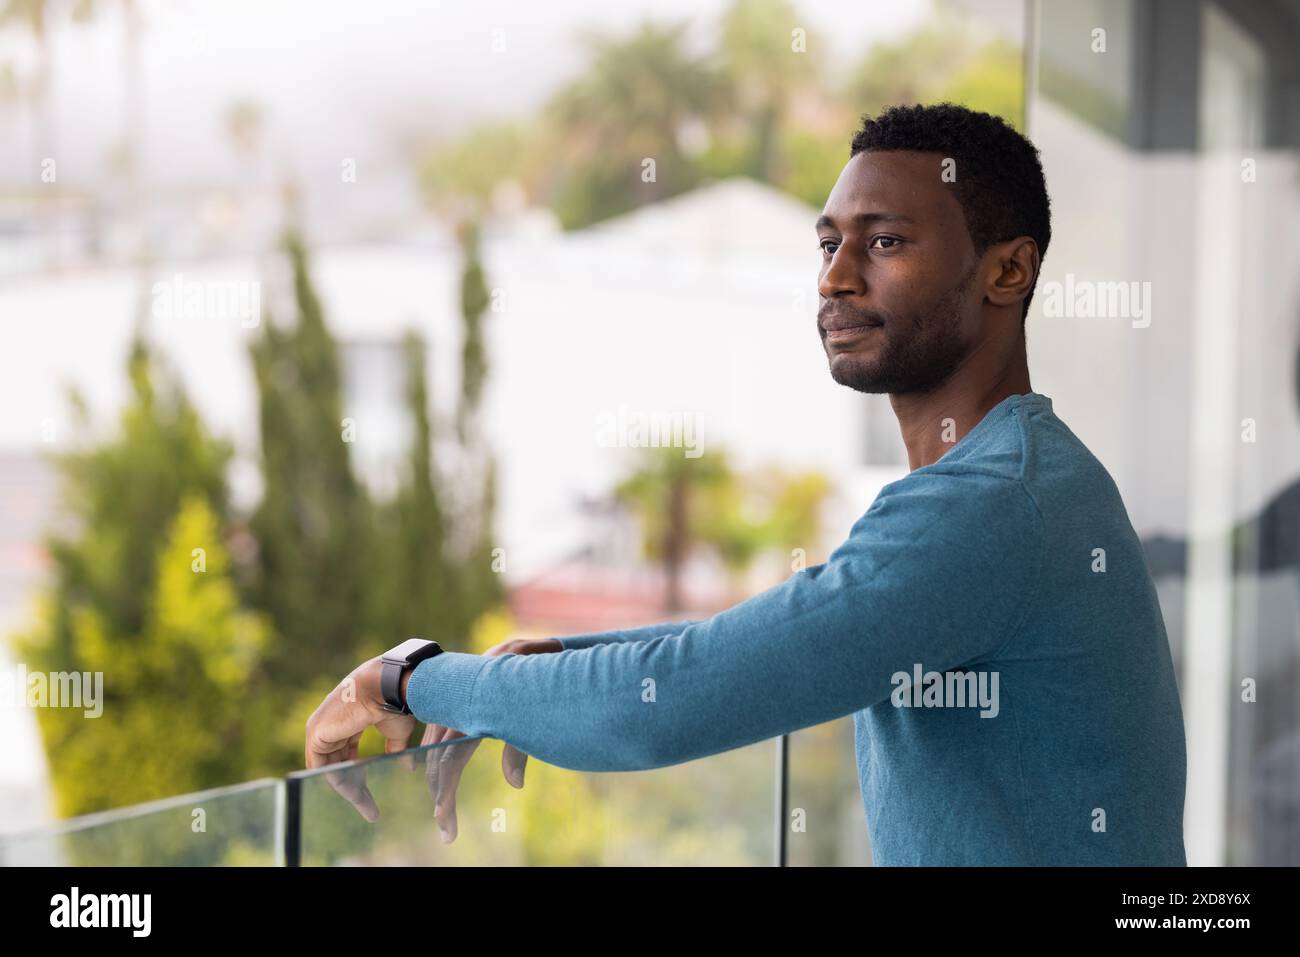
(911, 585)
(630, 705)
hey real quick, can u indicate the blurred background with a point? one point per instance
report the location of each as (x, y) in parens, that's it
(327, 324)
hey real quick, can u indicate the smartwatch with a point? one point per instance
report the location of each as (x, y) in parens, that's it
(396, 662)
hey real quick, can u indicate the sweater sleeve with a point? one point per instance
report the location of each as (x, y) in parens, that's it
(625, 634)
(937, 572)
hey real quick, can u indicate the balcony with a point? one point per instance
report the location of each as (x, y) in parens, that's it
(722, 810)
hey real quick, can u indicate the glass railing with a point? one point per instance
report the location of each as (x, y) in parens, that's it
(717, 810)
(392, 809)
(824, 818)
(241, 825)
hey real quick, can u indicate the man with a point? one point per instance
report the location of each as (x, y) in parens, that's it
(990, 622)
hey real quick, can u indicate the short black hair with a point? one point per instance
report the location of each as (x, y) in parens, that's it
(999, 179)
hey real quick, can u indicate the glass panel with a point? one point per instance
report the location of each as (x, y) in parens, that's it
(826, 824)
(1243, 218)
(235, 826)
(1184, 180)
(1086, 61)
(715, 811)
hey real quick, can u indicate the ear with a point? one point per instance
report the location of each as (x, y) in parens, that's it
(1015, 269)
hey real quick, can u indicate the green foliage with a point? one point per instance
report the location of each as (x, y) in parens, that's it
(176, 692)
(684, 504)
(472, 166)
(479, 584)
(121, 497)
(175, 650)
(992, 81)
(312, 525)
(768, 112)
(415, 595)
(765, 71)
(211, 669)
(939, 63)
(813, 164)
(474, 300)
(630, 106)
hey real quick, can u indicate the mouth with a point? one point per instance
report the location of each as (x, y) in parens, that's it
(842, 333)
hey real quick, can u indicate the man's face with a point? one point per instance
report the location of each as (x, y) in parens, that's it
(898, 307)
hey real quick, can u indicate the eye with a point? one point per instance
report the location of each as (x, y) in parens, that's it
(829, 252)
(891, 240)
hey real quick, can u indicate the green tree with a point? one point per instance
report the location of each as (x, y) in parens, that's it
(938, 63)
(457, 178)
(992, 81)
(474, 301)
(312, 523)
(704, 503)
(665, 491)
(480, 582)
(415, 588)
(133, 509)
(765, 70)
(631, 105)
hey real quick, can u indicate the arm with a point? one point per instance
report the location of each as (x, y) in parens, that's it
(664, 628)
(938, 572)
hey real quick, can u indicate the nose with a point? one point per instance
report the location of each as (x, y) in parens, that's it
(841, 276)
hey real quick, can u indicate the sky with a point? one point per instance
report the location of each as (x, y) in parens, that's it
(340, 78)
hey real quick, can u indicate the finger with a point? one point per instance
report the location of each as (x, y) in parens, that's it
(396, 730)
(333, 732)
(454, 758)
(512, 765)
(435, 734)
(399, 746)
(433, 763)
(350, 784)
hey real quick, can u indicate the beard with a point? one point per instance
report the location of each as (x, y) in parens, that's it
(915, 355)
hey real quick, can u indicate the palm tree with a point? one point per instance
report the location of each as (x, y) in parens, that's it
(703, 502)
(634, 102)
(765, 71)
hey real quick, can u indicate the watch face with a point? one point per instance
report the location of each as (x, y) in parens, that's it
(407, 648)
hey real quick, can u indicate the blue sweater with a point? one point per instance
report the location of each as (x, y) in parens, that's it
(991, 625)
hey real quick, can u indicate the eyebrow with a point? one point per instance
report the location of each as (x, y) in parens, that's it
(823, 220)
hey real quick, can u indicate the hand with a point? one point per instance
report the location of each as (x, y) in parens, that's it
(334, 729)
(443, 766)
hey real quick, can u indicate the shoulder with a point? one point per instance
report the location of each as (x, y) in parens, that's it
(960, 494)
(944, 525)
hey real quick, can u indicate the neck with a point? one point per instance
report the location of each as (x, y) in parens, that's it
(965, 398)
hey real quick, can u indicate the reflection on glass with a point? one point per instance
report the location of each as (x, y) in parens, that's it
(1184, 173)
(235, 826)
(1086, 61)
(715, 811)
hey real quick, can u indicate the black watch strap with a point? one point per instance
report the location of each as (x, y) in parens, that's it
(396, 662)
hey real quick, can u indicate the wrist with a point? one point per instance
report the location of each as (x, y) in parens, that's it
(396, 666)
(405, 680)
